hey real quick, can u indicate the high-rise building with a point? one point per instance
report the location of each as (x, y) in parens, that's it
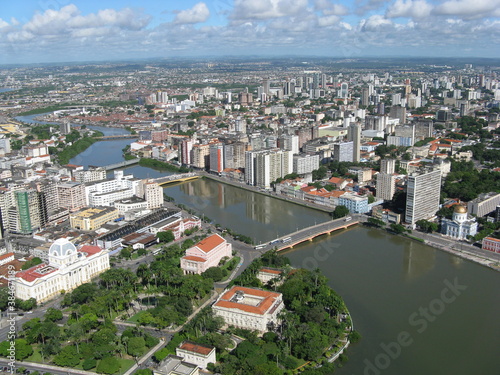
(186, 147)
(217, 157)
(387, 166)
(343, 151)
(386, 186)
(153, 194)
(306, 163)
(365, 96)
(201, 156)
(423, 193)
(354, 135)
(234, 155)
(65, 127)
(71, 195)
(344, 90)
(264, 167)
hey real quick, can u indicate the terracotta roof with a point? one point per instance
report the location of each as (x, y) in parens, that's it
(492, 239)
(31, 274)
(208, 244)
(5, 256)
(192, 347)
(90, 250)
(268, 300)
(193, 258)
(268, 270)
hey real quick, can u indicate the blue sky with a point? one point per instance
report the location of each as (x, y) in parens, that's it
(34, 31)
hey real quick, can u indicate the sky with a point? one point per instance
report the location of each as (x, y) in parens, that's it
(39, 31)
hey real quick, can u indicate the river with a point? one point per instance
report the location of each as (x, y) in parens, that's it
(419, 310)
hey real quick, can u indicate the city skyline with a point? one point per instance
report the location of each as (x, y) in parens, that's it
(65, 31)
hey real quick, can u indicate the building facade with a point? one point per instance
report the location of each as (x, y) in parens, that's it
(249, 308)
(199, 355)
(423, 193)
(205, 254)
(460, 226)
(491, 244)
(67, 268)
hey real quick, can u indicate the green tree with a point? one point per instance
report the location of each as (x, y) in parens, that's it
(30, 263)
(427, 226)
(136, 346)
(89, 363)
(68, 357)
(214, 273)
(340, 211)
(126, 253)
(53, 315)
(23, 349)
(108, 365)
(166, 237)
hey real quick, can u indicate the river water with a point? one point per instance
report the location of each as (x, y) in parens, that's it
(419, 310)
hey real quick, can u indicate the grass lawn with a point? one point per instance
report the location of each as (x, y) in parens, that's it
(135, 318)
(235, 261)
(125, 365)
(35, 357)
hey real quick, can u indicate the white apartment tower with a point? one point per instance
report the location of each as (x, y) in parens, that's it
(423, 193)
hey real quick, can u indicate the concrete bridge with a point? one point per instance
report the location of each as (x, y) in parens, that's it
(176, 178)
(111, 137)
(308, 234)
(122, 164)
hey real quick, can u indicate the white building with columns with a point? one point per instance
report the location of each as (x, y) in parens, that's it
(460, 226)
(67, 268)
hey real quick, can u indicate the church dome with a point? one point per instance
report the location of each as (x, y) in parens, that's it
(62, 247)
(459, 209)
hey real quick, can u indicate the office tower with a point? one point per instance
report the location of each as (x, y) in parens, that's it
(443, 114)
(28, 212)
(406, 134)
(240, 125)
(343, 151)
(217, 157)
(423, 193)
(289, 142)
(381, 108)
(287, 88)
(387, 166)
(354, 135)
(186, 147)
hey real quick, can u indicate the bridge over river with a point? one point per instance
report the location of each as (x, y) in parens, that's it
(308, 234)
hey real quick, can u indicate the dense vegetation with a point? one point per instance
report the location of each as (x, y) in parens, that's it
(466, 182)
(152, 163)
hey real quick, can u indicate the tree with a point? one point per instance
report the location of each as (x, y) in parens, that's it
(136, 346)
(214, 273)
(397, 228)
(23, 349)
(427, 226)
(30, 263)
(166, 237)
(340, 211)
(376, 222)
(53, 315)
(89, 363)
(108, 365)
(125, 253)
(68, 357)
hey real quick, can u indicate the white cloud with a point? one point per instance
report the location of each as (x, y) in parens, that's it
(375, 22)
(470, 8)
(197, 14)
(267, 9)
(328, 20)
(327, 8)
(409, 8)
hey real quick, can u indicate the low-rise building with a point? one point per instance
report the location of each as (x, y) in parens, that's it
(205, 254)
(460, 226)
(491, 244)
(354, 203)
(174, 365)
(198, 354)
(267, 274)
(66, 269)
(93, 218)
(249, 308)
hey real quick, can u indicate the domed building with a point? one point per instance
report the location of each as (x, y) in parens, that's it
(460, 226)
(67, 268)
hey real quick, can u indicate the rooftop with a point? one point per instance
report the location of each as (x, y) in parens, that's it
(250, 300)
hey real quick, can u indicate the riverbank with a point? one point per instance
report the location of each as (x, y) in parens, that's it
(265, 193)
